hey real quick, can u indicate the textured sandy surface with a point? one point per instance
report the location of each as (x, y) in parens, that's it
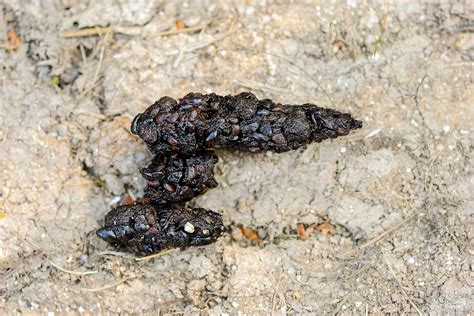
(397, 193)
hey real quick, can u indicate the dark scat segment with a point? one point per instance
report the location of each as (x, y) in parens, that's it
(179, 133)
(146, 229)
(200, 121)
(177, 178)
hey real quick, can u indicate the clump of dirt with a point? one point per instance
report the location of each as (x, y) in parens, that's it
(397, 193)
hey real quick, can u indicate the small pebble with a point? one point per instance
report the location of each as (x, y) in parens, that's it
(237, 234)
(83, 258)
(189, 228)
(242, 205)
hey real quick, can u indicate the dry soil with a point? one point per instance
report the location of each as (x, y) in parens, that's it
(391, 205)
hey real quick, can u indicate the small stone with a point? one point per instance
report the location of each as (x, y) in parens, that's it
(189, 228)
(192, 20)
(297, 295)
(242, 205)
(83, 258)
(328, 266)
(237, 234)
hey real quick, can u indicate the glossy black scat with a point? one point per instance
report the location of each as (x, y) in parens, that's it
(177, 178)
(134, 127)
(220, 118)
(181, 135)
(148, 229)
(106, 234)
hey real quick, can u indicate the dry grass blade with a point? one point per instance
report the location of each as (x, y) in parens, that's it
(381, 236)
(155, 255)
(96, 80)
(184, 30)
(117, 254)
(70, 271)
(430, 167)
(105, 287)
(85, 32)
(400, 285)
(461, 64)
(274, 295)
(105, 42)
(181, 51)
(259, 86)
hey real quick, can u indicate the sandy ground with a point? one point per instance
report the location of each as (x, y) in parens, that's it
(395, 198)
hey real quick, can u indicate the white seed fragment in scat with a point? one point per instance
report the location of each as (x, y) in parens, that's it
(189, 228)
(205, 232)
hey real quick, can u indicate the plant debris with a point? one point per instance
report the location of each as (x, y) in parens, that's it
(326, 228)
(304, 233)
(14, 42)
(250, 235)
